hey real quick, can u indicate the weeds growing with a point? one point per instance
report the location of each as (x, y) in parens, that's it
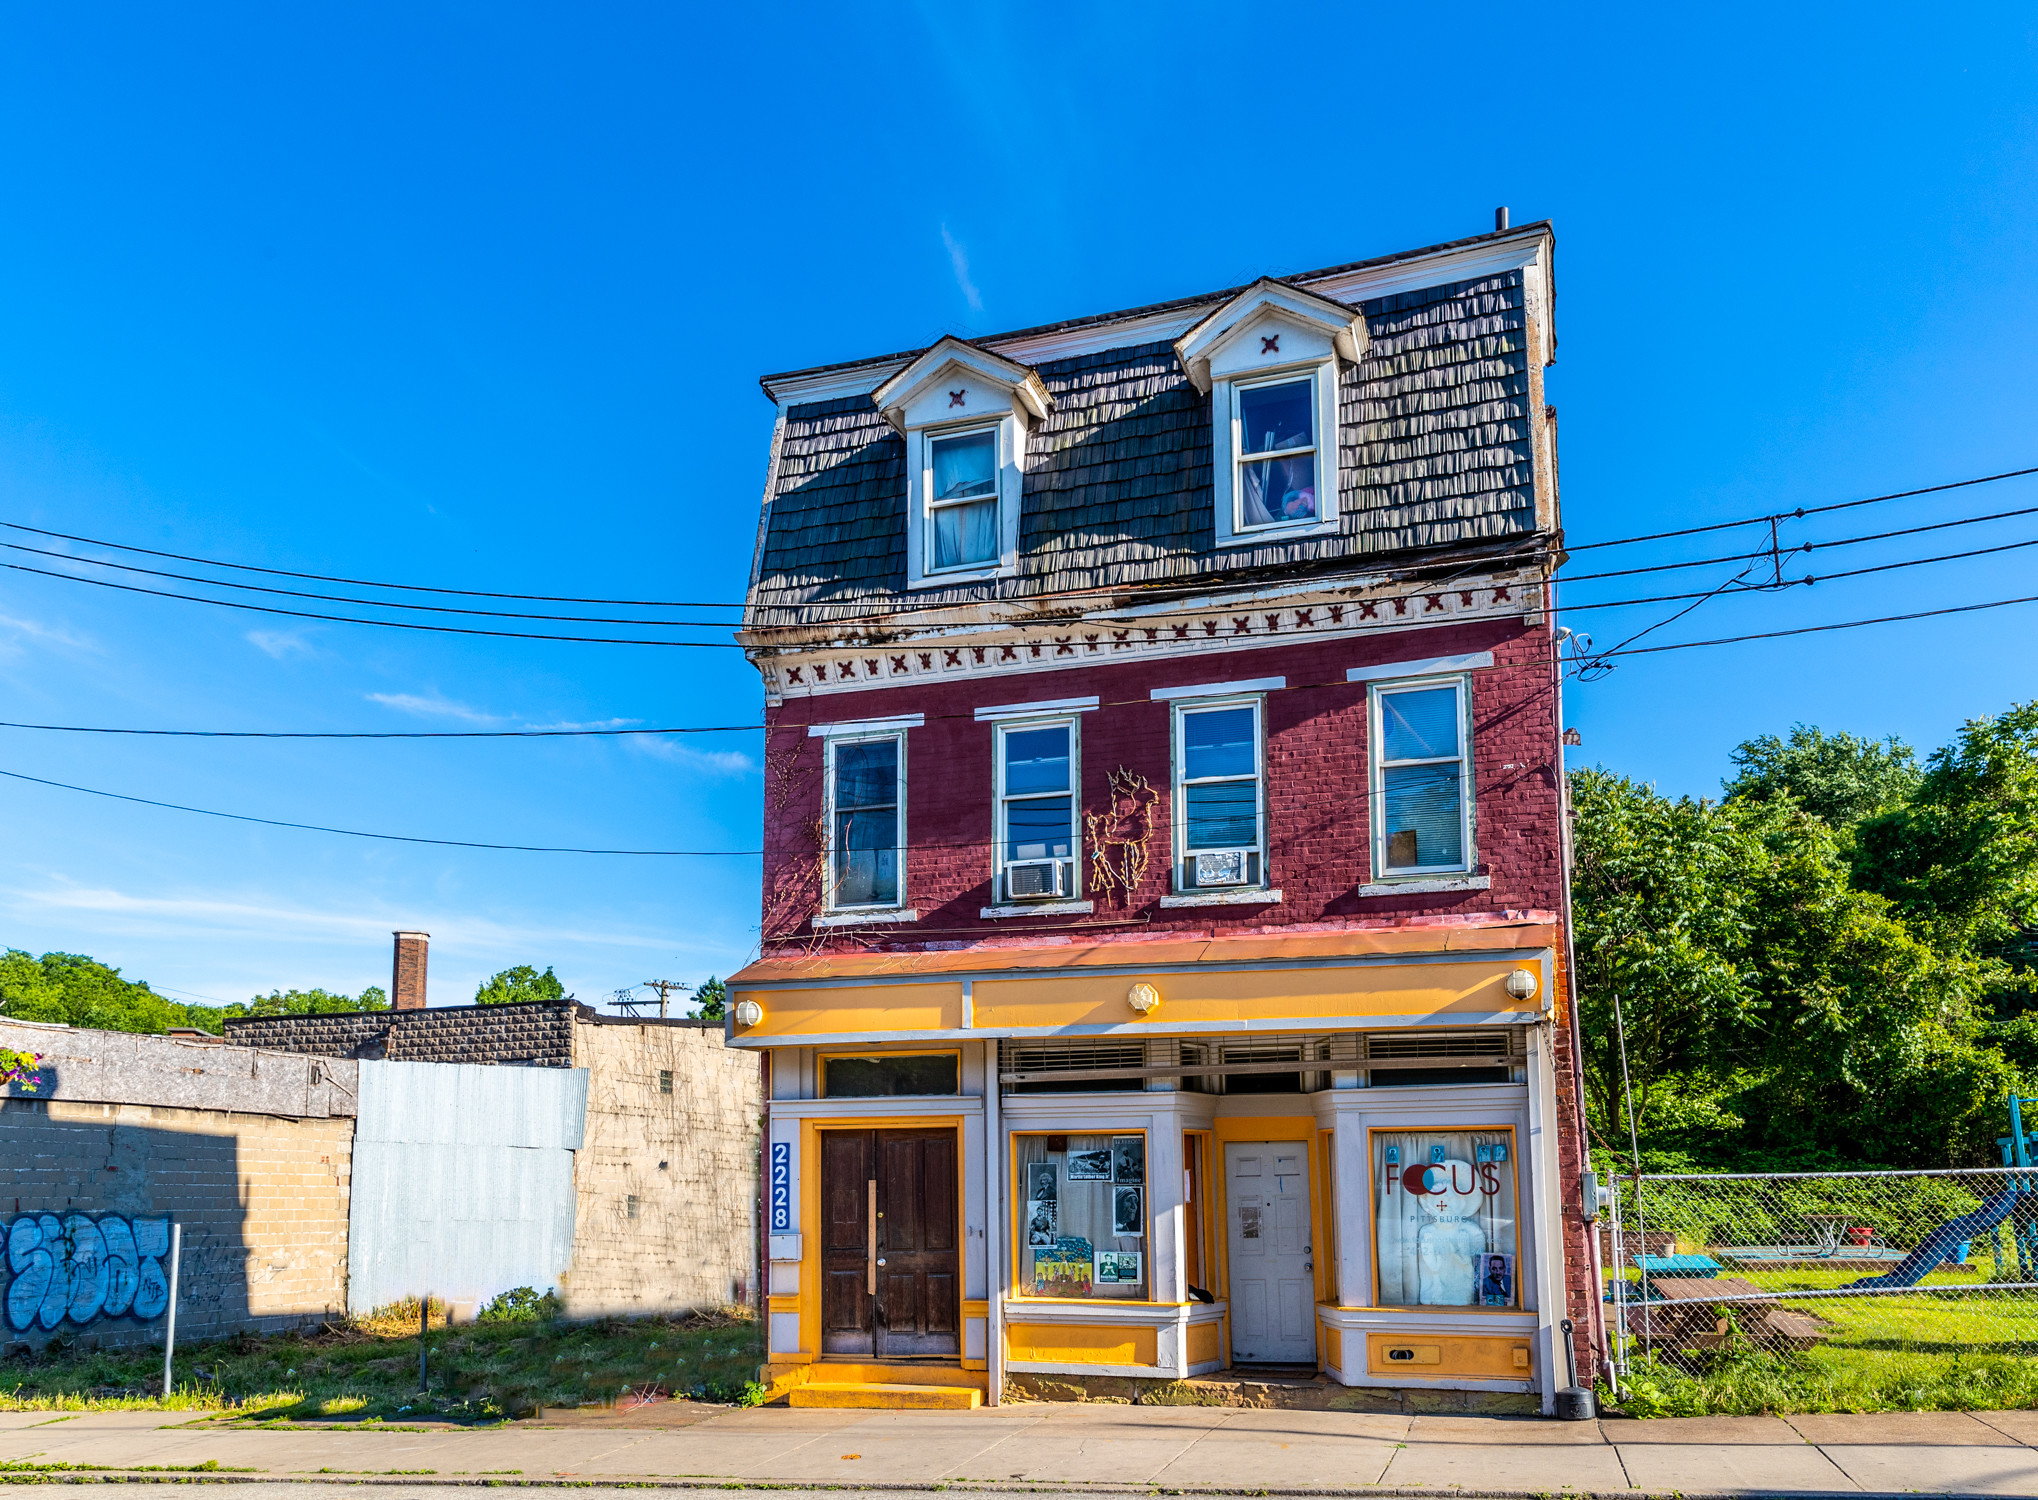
(365, 1369)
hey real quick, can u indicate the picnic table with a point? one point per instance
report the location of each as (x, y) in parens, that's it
(1695, 1266)
(1686, 1312)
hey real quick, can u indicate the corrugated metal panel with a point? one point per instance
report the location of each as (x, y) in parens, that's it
(463, 1180)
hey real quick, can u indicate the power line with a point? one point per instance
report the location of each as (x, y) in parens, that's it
(1801, 512)
(395, 838)
(441, 609)
(391, 734)
(368, 583)
(1770, 635)
(300, 614)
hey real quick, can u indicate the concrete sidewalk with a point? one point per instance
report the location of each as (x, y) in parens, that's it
(1074, 1448)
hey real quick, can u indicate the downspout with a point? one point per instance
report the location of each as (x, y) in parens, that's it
(1596, 1318)
(994, 1230)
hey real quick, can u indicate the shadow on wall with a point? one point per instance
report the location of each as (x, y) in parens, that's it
(86, 1208)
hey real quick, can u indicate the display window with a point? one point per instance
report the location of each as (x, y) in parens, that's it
(1081, 1204)
(1445, 1220)
(884, 1075)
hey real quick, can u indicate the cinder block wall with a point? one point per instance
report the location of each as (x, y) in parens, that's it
(540, 1033)
(667, 1184)
(263, 1198)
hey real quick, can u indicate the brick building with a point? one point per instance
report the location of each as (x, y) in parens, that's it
(1165, 890)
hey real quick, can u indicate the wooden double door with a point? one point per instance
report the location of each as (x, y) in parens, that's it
(891, 1281)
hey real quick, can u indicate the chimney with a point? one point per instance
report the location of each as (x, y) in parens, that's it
(1499, 220)
(407, 972)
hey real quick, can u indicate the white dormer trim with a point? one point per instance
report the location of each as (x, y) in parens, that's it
(952, 390)
(921, 394)
(1203, 349)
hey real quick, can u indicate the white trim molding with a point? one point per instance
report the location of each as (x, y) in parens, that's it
(866, 919)
(865, 726)
(1039, 909)
(1225, 898)
(1423, 668)
(1045, 708)
(1425, 887)
(1219, 689)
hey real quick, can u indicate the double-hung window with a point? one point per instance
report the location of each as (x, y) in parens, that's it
(1274, 427)
(1220, 824)
(1421, 778)
(866, 822)
(962, 500)
(1037, 781)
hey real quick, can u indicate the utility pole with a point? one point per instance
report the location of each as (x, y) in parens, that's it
(664, 987)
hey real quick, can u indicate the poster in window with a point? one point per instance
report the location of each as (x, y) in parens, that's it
(1040, 1224)
(1496, 1280)
(1090, 1166)
(1117, 1267)
(1128, 1158)
(1127, 1218)
(1064, 1270)
(1041, 1185)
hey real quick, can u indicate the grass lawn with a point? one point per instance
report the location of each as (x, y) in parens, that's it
(1967, 1348)
(367, 1368)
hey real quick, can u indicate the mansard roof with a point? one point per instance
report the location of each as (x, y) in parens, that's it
(1437, 449)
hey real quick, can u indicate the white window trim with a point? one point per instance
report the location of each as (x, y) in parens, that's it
(1179, 803)
(919, 516)
(1035, 710)
(1002, 727)
(1220, 689)
(1376, 784)
(828, 902)
(1429, 666)
(1225, 437)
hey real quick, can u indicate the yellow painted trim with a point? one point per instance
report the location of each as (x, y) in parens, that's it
(975, 1308)
(1476, 986)
(1082, 1343)
(810, 1205)
(825, 1055)
(872, 1009)
(1205, 1342)
(1373, 1208)
(1439, 1356)
(1019, 1227)
(1334, 1348)
(783, 1302)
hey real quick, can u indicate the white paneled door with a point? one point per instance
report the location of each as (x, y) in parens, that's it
(1273, 1276)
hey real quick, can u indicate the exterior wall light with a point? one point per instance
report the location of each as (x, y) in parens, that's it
(748, 1013)
(1143, 998)
(1522, 984)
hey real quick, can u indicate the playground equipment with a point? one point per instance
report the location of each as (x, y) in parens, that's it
(2017, 1203)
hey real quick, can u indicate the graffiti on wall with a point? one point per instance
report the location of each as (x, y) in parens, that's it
(74, 1267)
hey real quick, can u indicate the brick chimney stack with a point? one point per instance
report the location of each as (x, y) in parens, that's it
(407, 972)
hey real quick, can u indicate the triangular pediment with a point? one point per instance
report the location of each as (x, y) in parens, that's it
(1267, 303)
(957, 379)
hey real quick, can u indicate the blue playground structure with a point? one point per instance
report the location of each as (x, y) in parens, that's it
(2018, 1203)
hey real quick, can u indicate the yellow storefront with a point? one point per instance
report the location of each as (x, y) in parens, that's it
(1160, 1159)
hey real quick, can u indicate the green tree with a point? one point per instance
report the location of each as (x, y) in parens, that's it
(520, 986)
(1839, 778)
(74, 990)
(1660, 914)
(711, 1000)
(316, 1001)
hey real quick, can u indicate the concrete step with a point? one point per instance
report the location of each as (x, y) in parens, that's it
(885, 1396)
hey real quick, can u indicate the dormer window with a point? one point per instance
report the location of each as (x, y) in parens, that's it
(962, 499)
(1276, 432)
(1269, 359)
(964, 413)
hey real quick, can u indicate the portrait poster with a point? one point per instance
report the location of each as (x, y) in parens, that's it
(1042, 1182)
(1090, 1166)
(1496, 1280)
(1128, 1217)
(1041, 1224)
(1128, 1158)
(1118, 1267)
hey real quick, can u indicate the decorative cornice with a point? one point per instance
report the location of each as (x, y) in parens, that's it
(994, 649)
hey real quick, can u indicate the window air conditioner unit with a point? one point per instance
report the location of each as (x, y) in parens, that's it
(1035, 880)
(1223, 867)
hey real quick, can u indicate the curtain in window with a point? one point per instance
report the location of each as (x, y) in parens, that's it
(1445, 1218)
(1278, 489)
(966, 534)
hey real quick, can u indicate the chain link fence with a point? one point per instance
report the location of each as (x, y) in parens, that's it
(1829, 1270)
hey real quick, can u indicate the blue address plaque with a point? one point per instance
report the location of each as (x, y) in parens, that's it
(781, 1187)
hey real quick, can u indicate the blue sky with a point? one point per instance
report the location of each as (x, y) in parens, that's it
(477, 296)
